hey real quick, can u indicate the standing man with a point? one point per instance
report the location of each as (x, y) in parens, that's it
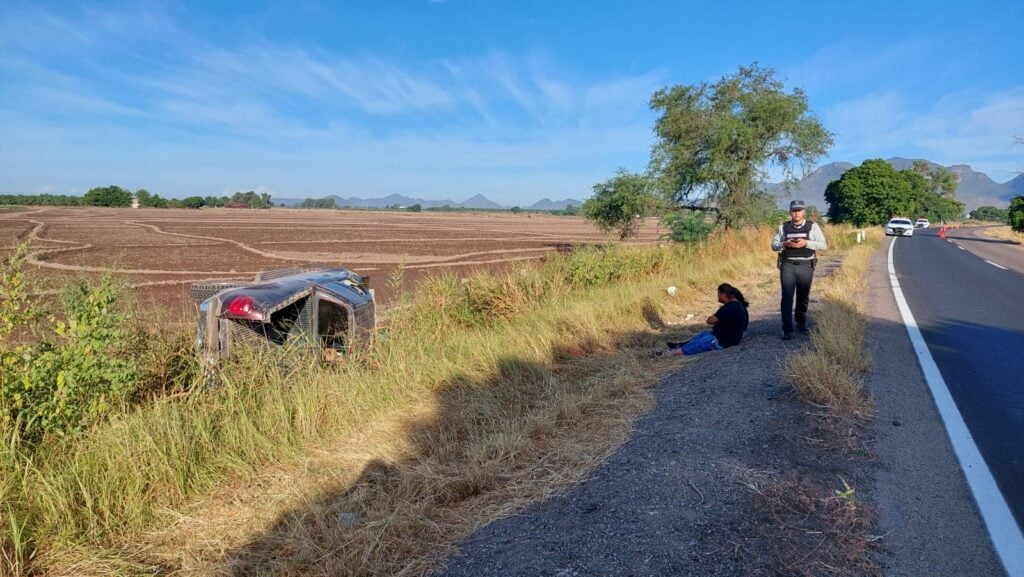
(797, 242)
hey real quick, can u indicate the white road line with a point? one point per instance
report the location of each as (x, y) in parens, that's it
(1002, 528)
(996, 265)
(960, 247)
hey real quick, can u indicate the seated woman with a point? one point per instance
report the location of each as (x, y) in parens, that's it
(728, 325)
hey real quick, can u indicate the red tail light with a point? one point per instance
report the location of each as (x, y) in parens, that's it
(241, 306)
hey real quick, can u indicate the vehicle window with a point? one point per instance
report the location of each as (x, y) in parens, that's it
(332, 325)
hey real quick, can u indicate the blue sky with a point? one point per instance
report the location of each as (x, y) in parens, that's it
(446, 99)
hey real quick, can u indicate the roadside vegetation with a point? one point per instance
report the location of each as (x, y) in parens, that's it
(819, 510)
(831, 372)
(477, 398)
(479, 395)
(1005, 233)
(1015, 214)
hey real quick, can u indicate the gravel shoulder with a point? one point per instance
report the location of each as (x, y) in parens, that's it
(679, 497)
(927, 513)
(676, 498)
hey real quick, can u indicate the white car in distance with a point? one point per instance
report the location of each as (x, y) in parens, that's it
(899, 227)
(922, 223)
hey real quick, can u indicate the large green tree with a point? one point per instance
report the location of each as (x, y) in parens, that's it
(940, 181)
(621, 202)
(107, 196)
(874, 192)
(717, 141)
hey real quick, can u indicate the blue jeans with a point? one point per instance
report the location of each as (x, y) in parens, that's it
(702, 342)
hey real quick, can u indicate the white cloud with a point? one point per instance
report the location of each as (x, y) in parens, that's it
(967, 127)
(197, 119)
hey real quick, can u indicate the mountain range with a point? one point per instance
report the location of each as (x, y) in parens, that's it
(478, 201)
(976, 188)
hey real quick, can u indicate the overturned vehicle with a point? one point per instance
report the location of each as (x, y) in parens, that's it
(328, 308)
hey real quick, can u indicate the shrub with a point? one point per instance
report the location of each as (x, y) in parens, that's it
(1015, 214)
(688, 226)
(71, 371)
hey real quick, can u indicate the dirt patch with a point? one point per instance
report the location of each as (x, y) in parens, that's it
(158, 251)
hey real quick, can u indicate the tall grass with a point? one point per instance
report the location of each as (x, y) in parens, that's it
(464, 397)
(831, 373)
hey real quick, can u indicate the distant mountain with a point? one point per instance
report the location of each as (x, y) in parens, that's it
(811, 188)
(976, 188)
(548, 204)
(478, 201)
(390, 200)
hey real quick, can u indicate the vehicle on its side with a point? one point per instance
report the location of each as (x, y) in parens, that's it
(329, 308)
(922, 223)
(899, 226)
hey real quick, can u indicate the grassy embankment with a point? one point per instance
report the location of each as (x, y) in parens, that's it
(1004, 232)
(478, 398)
(827, 516)
(831, 372)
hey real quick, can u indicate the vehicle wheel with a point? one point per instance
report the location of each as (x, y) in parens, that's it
(205, 289)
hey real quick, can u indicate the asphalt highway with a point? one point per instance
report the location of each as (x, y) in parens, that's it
(970, 309)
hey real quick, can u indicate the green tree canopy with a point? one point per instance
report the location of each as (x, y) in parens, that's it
(718, 140)
(621, 202)
(40, 199)
(1015, 214)
(874, 192)
(990, 213)
(940, 181)
(107, 196)
(252, 199)
(326, 202)
(193, 202)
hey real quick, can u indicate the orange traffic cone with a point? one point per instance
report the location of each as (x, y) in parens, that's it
(942, 231)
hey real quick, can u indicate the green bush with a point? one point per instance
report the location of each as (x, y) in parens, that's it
(688, 226)
(61, 375)
(1015, 214)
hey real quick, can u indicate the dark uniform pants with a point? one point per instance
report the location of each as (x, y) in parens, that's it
(796, 277)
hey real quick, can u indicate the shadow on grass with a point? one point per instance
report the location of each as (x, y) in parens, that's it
(489, 447)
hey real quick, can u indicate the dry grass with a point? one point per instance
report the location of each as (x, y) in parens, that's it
(815, 529)
(375, 467)
(378, 467)
(830, 373)
(1004, 233)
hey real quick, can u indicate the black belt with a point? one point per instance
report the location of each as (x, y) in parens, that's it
(800, 261)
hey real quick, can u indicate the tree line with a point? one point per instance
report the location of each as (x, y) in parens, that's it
(116, 196)
(874, 192)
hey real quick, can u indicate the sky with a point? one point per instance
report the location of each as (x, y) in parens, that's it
(445, 99)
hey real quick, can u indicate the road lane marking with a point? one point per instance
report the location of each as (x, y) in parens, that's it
(1002, 528)
(996, 265)
(960, 247)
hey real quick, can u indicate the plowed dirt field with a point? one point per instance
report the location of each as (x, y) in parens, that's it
(159, 252)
